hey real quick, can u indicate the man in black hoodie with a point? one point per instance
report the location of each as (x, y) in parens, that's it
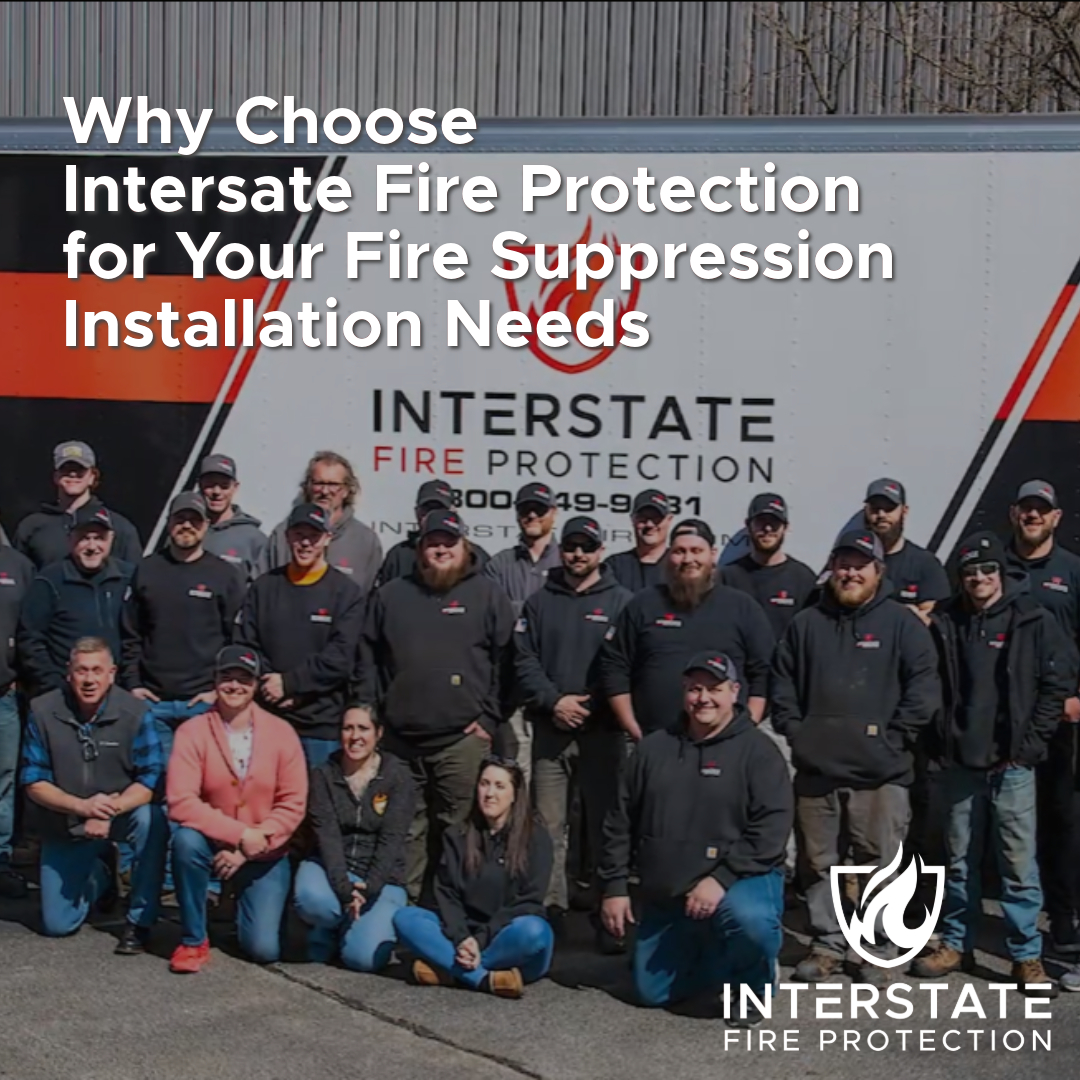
(575, 737)
(704, 811)
(643, 564)
(436, 659)
(1005, 668)
(305, 621)
(854, 680)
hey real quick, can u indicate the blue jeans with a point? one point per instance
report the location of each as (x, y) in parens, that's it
(9, 765)
(526, 944)
(74, 874)
(262, 890)
(316, 751)
(366, 943)
(999, 808)
(677, 957)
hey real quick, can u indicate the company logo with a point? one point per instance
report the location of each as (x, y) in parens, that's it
(5, 580)
(562, 294)
(202, 592)
(782, 599)
(868, 641)
(597, 615)
(1055, 584)
(669, 620)
(322, 616)
(998, 641)
(455, 607)
(885, 901)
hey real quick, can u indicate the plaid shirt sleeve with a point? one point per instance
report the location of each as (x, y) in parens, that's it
(36, 763)
(147, 756)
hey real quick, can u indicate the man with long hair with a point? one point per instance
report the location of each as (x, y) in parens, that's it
(435, 659)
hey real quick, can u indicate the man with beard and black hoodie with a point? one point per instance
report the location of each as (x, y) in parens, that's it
(641, 666)
(704, 811)
(234, 536)
(1004, 665)
(401, 558)
(575, 738)
(854, 681)
(643, 564)
(1052, 574)
(43, 535)
(436, 660)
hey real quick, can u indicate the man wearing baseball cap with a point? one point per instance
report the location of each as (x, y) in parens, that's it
(80, 596)
(918, 579)
(703, 814)
(641, 666)
(854, 681)
(43, 535)
(234, 535)
(779, 583)
(1052, 573)
(401, 558)
(1004, 670)
(643, 564)
(576, 742)
(304, 622)
(436, 660)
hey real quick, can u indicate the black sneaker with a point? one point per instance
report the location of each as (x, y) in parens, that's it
(608, 944)
(12, 884)
(753, 1017)
(132, 941)
(1063, 937)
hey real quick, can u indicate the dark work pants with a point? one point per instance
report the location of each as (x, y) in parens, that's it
(1058, 831)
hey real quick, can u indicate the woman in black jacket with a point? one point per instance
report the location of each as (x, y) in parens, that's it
(360, 807)
(490, 932)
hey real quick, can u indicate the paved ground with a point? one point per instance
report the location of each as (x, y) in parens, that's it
(69, 1008)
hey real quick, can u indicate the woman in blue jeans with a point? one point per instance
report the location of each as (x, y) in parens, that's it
(361, 805)
(490, 932)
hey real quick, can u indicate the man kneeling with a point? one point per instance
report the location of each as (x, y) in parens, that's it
(705, 808)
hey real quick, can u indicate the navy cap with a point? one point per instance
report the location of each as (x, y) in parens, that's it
(444, 521)
(72, 450)
(715, 663)
(218, 463)
(309, 514)
(91, 514)
(535, 493)
(694, 527)
(1038, 489)
(436, 492)
(862, 540)
(583, 526)
(189, 500)
(237, 656)
(885, 488)
(651, 499)
(768, 503)
(981, 547)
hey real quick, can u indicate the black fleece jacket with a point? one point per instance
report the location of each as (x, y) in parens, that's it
(720, 808)
(1034, 664)
(557, 641)
(364, 836)
(480, 905)
(436, 662)
(850, 690)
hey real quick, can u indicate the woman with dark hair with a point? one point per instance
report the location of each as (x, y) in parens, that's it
(361, 805)
(490, 932)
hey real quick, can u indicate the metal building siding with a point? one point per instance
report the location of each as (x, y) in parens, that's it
(555, 58)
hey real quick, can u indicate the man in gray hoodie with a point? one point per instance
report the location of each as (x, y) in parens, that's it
(331, 482)
(233, 535)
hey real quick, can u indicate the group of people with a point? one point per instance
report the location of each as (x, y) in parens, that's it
(403, 746)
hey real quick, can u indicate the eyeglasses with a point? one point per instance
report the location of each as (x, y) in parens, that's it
(980, 569)
(87, 744)
(327, 485)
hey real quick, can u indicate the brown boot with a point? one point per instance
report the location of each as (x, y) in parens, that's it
(424, 974)
(507, 984)
(817, 967)
(944, 960)
(1032, 979)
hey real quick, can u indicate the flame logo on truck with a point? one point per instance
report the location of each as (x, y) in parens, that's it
(562, 294)
(887, 900)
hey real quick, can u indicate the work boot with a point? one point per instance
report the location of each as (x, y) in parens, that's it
(507, 984)
(424, 974)
(873, 975)
(133, 940)
(12, 884)
(1031, 979)
(817, 967)
(944, 960)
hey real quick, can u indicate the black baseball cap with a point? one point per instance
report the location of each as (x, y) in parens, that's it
(892, 490)
(189, 500)
(768, 503)
(435, 493)
(715, 663)
(651, 499)
(981, 547)
(862, 540)
(583, 526)
(1038, 489)
(89, 514)
(694, 527)
(309, 514)
(444, 521)
(535, 493)
(237, 656)
(218, 463)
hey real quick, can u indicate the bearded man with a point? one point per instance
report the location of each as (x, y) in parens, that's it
(854, 679)
(664, 625)
(436, 661)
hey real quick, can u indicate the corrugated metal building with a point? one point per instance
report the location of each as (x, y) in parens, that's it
(552, 59)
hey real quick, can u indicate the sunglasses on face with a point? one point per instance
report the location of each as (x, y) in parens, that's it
(981, 569)
(569, 547)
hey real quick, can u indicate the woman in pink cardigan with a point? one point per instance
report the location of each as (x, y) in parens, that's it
(237, 788)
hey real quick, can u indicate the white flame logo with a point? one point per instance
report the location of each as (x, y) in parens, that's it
(887, 903)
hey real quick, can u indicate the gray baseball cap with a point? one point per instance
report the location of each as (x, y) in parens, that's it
(1038, 489)
(75, 451)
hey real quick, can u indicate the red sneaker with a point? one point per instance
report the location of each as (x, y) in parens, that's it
(190, 959)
